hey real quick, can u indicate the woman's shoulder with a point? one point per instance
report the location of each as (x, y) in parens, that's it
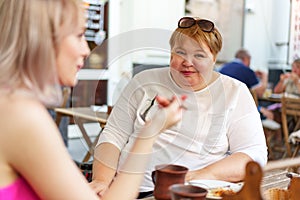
(232, 83)
(23, 120)
(20, 111)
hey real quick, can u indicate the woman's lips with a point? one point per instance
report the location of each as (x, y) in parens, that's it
(79, 67)
(187, 73)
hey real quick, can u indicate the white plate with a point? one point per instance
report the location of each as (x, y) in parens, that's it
(212, 184)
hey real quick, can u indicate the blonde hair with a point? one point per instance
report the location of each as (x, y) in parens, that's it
(212, 39)
(31, 31)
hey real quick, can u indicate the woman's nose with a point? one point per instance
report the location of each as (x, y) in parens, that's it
(187, 62)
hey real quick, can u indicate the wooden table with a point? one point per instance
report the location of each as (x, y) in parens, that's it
(82, 115)
(273, 176)
(270, 99)
(276, 98)
(272, 179)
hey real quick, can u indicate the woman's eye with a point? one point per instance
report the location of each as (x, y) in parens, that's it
(80, 35)
(199, 56)
(179, 52)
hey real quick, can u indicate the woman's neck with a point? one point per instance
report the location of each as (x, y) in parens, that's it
(205, 83)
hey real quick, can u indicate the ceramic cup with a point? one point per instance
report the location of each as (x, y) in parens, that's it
(164, 176)
(190, 192)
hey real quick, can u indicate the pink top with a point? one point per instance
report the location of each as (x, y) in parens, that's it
(20, 189)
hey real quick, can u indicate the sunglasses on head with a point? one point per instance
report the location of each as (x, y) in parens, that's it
(205, 25)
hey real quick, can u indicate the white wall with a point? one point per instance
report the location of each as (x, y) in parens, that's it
(130, 17)
(227, 16)
(266, 32)
(280, 34)
(266, 24)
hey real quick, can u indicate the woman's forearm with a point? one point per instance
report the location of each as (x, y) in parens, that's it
(231, 168)
(106, 158)
(131, 173)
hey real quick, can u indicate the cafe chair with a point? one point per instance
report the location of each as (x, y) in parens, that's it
(102, 125)
(270, 127)
(290, 116)
(254, 96)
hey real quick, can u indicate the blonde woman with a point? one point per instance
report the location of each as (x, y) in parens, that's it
(220, 131)
(42, 47)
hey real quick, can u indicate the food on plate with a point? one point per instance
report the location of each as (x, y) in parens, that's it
(217, 188)
(220, 191)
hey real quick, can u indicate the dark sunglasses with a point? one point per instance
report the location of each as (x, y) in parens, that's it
(205, 25)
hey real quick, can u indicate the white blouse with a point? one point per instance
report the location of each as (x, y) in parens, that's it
(221, 119)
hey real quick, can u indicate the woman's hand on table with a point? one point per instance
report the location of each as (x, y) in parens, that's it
(99, 187)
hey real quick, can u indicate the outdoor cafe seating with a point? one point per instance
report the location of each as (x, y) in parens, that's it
(258, 181)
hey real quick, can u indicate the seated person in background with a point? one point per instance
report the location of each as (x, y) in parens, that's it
(42, 47)
(290, 82)
(220, 131)
(240, 69)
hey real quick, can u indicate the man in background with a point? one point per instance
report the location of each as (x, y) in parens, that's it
(257, 81)
(239, 69)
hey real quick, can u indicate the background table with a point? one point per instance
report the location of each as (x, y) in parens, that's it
(82, 115)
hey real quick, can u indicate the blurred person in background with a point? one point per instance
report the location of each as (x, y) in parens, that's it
(290, 82)
(240, 69)
(257, 81)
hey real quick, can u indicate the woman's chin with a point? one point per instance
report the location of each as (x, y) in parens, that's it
(69, 83)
